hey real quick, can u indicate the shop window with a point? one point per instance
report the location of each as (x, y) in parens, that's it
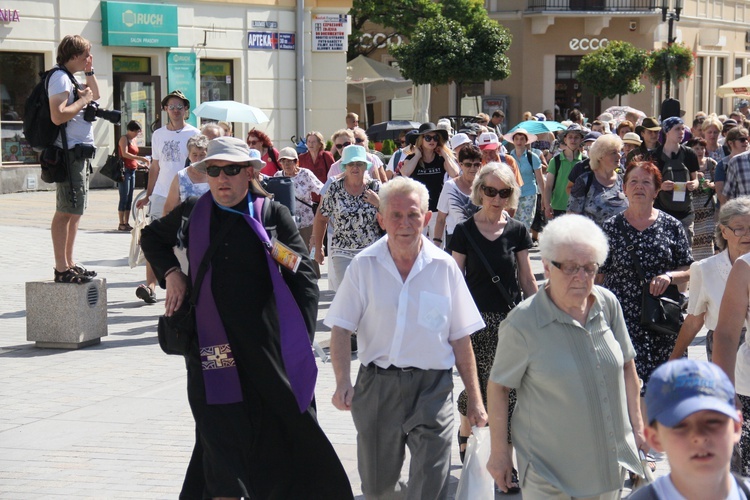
(216, 80)
(402, 108)
(19, 76)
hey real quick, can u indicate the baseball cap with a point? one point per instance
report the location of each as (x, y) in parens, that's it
(288, 154)
(743, 104)
(592, 136)
(488, 140)
(679, 388)
(230, 149)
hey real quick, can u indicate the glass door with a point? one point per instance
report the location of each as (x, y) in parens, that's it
(139, 99)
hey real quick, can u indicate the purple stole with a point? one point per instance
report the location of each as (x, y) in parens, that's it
(220, 374)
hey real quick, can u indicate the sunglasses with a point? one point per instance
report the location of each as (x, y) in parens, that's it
(342, 146)
(742, 139)
(359, 140)
(229, 170)
(491, 192)
(178, 107)
(431, 138)
(476, 164)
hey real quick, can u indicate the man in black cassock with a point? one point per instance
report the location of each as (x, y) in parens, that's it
(262, 440)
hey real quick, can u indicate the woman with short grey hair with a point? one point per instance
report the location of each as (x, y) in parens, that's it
(598, 194)
(708, 277)
(567, 352)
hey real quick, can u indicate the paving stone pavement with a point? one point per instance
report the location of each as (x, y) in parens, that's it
(112, 420)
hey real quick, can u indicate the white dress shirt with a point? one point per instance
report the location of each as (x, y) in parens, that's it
(406, 323)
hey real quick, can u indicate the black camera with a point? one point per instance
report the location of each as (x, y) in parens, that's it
(93, 111)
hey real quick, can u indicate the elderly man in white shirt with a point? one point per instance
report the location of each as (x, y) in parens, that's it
(409, 303)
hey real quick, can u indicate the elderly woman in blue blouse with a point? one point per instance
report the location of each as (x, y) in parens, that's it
(566, 351)
(598, 194)
(530, 167)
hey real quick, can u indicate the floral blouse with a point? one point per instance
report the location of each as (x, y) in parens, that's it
(355, 225)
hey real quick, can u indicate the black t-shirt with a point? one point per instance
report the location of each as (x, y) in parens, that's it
(432, 175)
(501, 255)
(684, 162)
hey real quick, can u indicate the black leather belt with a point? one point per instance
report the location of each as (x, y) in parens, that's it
(393, 369)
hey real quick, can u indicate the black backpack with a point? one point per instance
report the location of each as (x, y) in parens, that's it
(38, 128)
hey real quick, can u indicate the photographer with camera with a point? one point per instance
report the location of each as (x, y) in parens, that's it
(68, 104)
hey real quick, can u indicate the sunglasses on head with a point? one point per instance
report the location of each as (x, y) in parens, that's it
(229, 170)
(342, 146)
(491, 192)
(430, 138)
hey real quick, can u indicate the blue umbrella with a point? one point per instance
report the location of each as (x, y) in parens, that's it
(537, 127)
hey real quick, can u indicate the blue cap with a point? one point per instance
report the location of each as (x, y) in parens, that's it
(679, 388)
(592, 136)
(355, 153)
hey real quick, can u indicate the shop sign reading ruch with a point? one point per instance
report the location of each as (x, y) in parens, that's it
(588, 43)
(329, 33)
(9, 16)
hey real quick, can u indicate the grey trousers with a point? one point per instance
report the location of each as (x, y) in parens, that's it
(392, 409)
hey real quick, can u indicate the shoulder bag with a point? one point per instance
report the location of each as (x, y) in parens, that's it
(509, 302)
(114, 168)
(176, 332)
(662, 314)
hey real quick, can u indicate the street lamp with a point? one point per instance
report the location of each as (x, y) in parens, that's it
(672, 16)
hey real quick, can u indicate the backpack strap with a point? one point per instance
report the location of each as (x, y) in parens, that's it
(741, 484)
(557, 170)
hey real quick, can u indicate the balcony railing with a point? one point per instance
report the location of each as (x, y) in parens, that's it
(594, 5)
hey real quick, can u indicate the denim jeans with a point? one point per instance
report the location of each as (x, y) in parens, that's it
(126, 187)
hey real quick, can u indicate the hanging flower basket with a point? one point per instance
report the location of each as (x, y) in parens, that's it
(675, 61)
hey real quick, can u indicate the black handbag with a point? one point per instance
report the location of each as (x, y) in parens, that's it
(113, 168)
(176, 332)
(662, 314)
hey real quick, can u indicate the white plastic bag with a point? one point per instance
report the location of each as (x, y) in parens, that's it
(136, 257)
(476, 483)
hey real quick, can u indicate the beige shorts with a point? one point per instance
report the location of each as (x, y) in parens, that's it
(74, 200)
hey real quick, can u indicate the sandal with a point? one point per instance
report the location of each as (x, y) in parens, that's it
(146, 294)
(462, 440)
(79, 269)
(71, 276)
(123, 227)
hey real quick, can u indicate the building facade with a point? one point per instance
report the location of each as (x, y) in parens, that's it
(210, 50)
(551, 36)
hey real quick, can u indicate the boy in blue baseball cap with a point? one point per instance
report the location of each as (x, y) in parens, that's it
(692, 417)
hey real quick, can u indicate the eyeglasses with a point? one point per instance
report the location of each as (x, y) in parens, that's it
(430, 138)
(356, 164)
(229, 170)
(343, 145)
(739, 231)
(359, 140)
(569, 268)
(178, 107)
(491, 192)
(469, 164)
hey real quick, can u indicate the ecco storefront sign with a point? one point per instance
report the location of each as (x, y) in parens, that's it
(139, 24)
(588, 43)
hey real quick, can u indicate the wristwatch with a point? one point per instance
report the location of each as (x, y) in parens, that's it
(89, 73)
(671, 278)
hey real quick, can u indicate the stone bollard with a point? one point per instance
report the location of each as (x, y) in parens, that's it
(65, 315)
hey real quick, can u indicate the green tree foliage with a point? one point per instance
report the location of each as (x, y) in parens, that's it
(444, 50)
(402, 16)
(613, 71)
